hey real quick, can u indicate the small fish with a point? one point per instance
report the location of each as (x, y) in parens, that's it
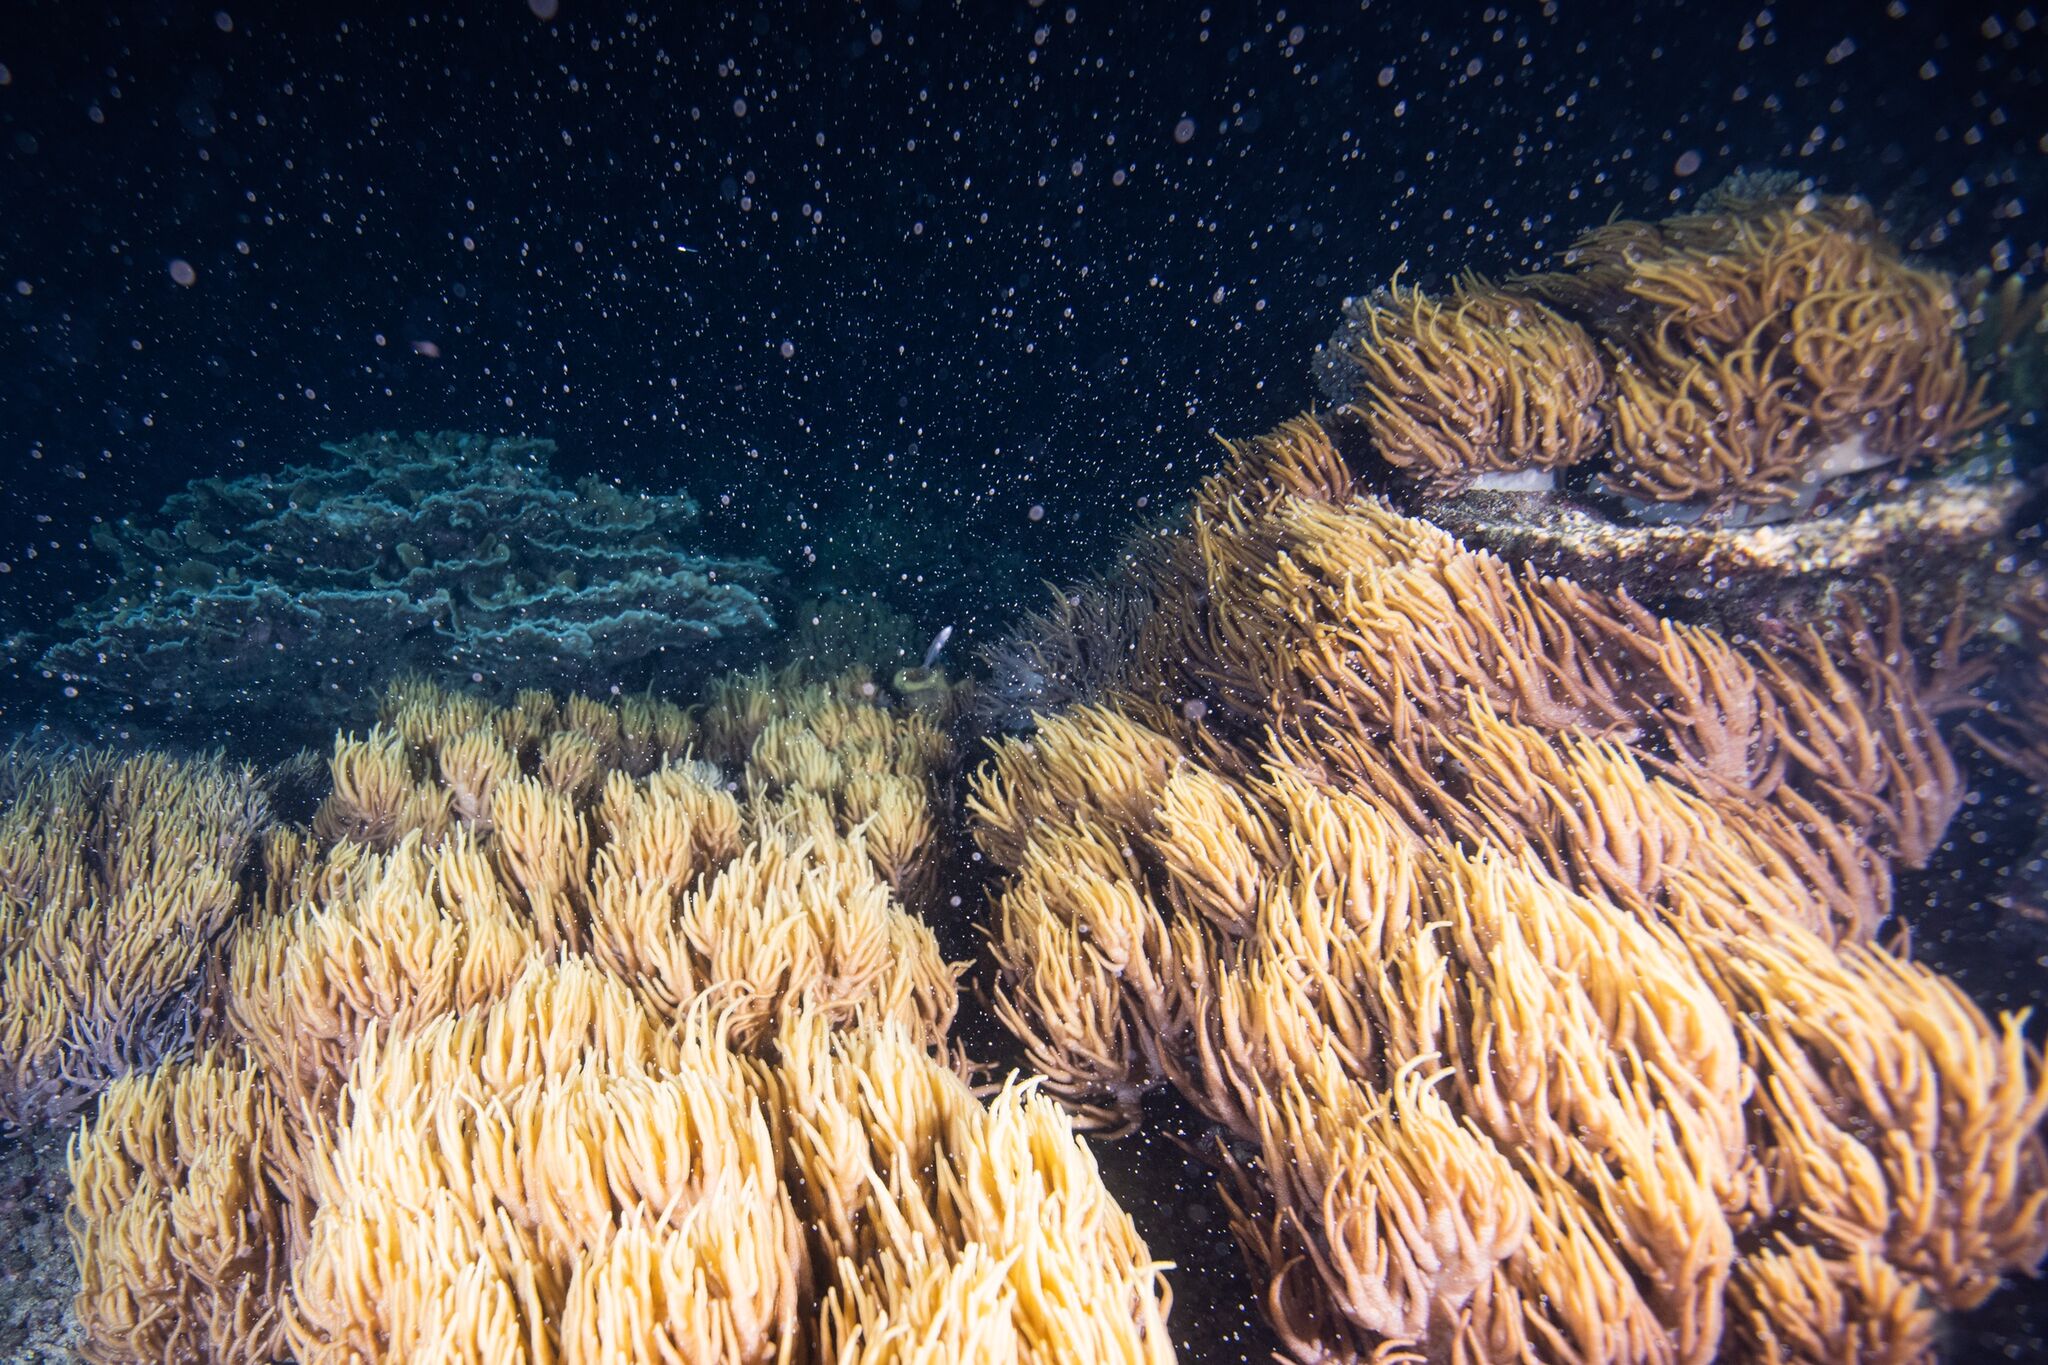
(931, 656)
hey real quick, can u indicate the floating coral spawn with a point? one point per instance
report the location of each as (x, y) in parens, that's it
(1743, 357)
(1523, 945)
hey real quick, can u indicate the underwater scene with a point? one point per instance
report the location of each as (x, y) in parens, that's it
(1009, 681)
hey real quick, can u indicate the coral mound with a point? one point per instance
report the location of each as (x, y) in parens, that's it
(1524, 945)
(460, 557)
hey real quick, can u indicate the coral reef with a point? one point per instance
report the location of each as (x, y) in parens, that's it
(1071, 652)
(117, 876)
(2016, 733)
(1747, 354)
(1528, 948)
(1523, 945)
(833, 634)
(1074, 650)
(550, 1041)
(461, 557)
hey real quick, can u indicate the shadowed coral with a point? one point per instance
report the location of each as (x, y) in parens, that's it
(446, 554)
(1072, 651)
(2008, 339)
(117, 876)
(847, 631)
(1692, 428)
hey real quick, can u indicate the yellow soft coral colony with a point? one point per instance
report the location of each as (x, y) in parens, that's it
(510, 1182)
(557, 1177)
(186, 1204)
(556, 1044)
(116, 878)
(1525, 943)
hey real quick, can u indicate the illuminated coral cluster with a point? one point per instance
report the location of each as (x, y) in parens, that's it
(1733, 358)
(1525, 947)
(294, 592)
(117, 875)
(552, 1041)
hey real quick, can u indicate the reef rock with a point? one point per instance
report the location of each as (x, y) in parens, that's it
(1934, 540)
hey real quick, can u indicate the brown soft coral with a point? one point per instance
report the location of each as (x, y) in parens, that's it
(1743, 357)
(1796, 348)
(1524, 944)
(1707, 426)
(1481, 382)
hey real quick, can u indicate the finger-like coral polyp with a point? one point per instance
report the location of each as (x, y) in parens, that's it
(1481, 382)
(117, 876)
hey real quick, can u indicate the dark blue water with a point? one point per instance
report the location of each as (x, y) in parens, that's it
(878, 280)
